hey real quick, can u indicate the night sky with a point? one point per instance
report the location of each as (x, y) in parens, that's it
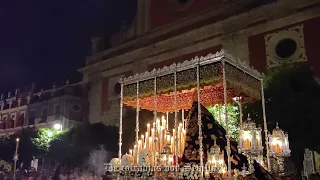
(46, 41)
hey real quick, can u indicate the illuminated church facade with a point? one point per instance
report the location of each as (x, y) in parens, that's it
(264, 33)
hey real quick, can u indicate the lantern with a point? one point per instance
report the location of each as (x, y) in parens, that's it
(250, 141)
(279, 143)
(216, 160)
(279, 146)
(166, 157)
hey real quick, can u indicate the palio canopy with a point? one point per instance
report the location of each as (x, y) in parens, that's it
(241, 81)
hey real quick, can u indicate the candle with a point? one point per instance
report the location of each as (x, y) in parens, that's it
(152, 133)
(167, 121)
(246, 144)
(277, 148)
(147, 140)
(148, 128)
(182, 119)
(142, 141)
(161, 138)
(135, 153)
(172, 145)
(183, 142)
(168, 139)
(179, 137)
(157, 144)
(150, 144)
(164, 123)
(139, 145)
(158, 125)
(130, 152)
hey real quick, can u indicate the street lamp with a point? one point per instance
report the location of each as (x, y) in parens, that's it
(279, 146)
(15, 158)
(58, 127)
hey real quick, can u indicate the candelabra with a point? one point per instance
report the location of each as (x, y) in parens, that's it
(279, 147)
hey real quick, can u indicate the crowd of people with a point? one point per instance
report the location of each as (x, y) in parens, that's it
(64, 173)
(58, 173)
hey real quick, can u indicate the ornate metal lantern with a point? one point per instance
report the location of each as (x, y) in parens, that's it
(166, 157)
(279, 146)
(279, 143)
(250, 141)
(216, 161)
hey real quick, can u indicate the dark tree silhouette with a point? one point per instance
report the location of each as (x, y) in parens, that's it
(293, 100)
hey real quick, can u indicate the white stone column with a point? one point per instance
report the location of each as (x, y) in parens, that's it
(10, 104)
(19, 101)
(28, 99)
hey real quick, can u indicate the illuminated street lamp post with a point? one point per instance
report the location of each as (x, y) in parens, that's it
(57, 127)
(15, 158)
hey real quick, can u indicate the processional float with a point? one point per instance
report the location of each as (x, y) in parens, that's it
(191, 85)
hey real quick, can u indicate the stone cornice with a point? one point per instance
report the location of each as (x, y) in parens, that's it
(6, 111)
(227, 27)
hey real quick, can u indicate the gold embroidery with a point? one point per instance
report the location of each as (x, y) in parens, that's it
(213, 137)
(234, 161)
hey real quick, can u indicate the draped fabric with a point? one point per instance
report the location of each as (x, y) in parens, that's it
(212, 132)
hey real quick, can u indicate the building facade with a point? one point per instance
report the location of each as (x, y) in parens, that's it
(264, 33)
(65, 106)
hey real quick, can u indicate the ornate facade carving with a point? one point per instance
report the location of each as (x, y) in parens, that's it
(293, 49)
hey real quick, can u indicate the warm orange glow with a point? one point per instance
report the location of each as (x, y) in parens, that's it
(210, 95)
(247, 140)
(277, 145)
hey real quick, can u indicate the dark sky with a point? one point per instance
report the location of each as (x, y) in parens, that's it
(46, 41)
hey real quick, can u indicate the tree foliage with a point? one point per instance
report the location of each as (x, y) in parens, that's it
(73, 147)
(43, 139)
(293, 100)
(218, 112)
(26, 147)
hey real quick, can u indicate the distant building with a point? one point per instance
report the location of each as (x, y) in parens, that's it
(264, 33)
(64, 106)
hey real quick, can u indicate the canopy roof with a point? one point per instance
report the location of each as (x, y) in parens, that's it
(241, 81)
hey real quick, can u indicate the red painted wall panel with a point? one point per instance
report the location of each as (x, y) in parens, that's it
(163, 12)
(311, 27)
(184, 57)
(312, 43)
(104, 95)
(257, 52)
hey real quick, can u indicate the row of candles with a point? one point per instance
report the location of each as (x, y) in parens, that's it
(163, 136)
